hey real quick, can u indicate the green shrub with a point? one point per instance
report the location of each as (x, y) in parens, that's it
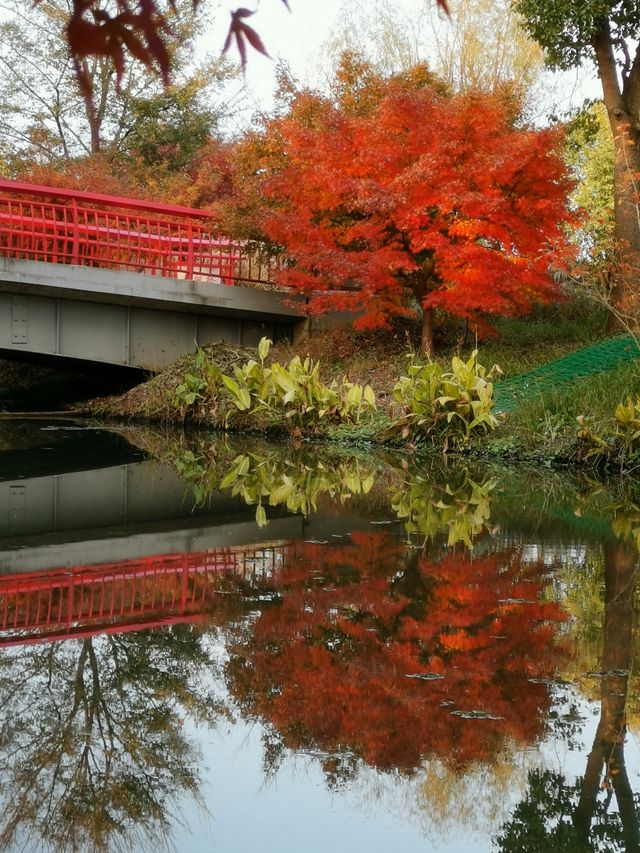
(444, 406)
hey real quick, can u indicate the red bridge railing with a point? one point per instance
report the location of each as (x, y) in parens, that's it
(65, 226)
(129, 595)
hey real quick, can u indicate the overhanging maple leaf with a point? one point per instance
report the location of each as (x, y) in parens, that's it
(243, 33)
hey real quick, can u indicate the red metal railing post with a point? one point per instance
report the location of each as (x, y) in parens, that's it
(189, 273)
(75, 244)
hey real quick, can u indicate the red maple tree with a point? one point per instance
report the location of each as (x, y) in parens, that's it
(428, 194)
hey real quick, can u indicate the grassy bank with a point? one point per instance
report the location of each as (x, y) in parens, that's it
(544, 426)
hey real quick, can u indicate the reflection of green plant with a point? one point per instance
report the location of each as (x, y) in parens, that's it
(272, 481)
(619, 507)
(444, 406)
(618, 442)
(460, 506)
(194, 470)
(546, 819)
(429, 506)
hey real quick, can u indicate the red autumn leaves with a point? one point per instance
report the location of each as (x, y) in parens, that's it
(436, 195)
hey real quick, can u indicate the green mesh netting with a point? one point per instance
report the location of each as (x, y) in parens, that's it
(601, 356)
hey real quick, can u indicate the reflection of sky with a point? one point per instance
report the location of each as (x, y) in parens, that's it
(295, 811)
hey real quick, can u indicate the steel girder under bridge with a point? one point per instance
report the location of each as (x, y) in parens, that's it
(120, 281)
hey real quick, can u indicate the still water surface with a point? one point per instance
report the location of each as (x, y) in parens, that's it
(261, 647)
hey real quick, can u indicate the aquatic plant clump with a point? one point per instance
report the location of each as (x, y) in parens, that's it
(617, 443)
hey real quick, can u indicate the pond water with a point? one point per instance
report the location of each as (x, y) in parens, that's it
(274, 648)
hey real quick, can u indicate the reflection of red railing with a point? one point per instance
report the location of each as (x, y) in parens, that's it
(130, 595)
(70, 227)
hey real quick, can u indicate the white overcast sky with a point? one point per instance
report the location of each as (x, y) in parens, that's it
(299, 37)
(296, 36)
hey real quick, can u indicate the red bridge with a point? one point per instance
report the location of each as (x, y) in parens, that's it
(162, 272)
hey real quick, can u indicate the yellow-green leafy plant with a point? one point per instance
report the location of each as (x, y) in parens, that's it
(253, 388)
(201, 388)
(306, 399)
(290, 395)
(618, 443)
(295, 392)
(301, 393)
(444, 406)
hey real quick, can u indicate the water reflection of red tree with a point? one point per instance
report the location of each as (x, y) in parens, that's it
(376, 650)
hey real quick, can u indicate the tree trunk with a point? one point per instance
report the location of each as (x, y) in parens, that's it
(422, 283)
(426, 342)
(85, 81)
(623, 107)
(626, 291)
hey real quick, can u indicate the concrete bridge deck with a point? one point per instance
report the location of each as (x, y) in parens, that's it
(127, 318)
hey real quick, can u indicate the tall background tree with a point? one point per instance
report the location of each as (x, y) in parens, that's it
(480, 46)
(606, 33)
(589, 152)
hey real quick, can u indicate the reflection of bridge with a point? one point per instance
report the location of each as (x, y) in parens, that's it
(164, 589)
(120, 513)
(110, 279)
(123, 548)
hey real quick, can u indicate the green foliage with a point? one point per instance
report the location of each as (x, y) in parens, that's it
(550, 331)
(590, 154)
(190, 389)
(565, 28)
(444, 406)
(170, 127)
(199, 384)
(252, 389)
(544, 426)
(302, 393)
(291, 396)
